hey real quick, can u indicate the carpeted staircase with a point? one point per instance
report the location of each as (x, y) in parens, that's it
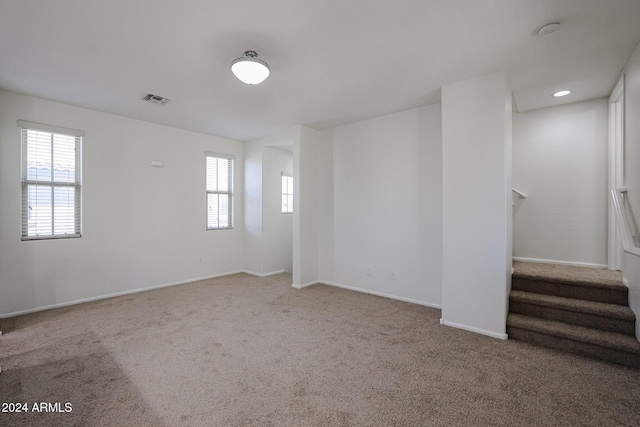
(578, 310)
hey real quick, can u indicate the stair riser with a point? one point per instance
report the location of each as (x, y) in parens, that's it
(588, 293)
(583, 319)
(575, 347)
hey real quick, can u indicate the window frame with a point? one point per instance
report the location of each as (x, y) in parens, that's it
(287, 175)
(26, 182)
(230, 193)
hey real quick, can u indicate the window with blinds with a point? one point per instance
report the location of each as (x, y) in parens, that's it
(287, 193)
(219, 191)
(51, 181)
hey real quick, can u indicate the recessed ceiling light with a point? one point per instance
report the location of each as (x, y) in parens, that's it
(562, 93)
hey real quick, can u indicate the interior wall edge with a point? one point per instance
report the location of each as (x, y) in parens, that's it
(381, 294)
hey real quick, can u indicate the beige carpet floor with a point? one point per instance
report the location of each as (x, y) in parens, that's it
(245, 351)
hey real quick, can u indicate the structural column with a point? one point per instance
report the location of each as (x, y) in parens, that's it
(476, 156)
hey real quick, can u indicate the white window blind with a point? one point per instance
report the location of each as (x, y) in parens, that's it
(219, 191)
(51, 182)
(287, 193)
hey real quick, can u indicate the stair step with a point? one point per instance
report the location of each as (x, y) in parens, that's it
(568, 273)
(610, 293)
(609, 346)
(608, 317)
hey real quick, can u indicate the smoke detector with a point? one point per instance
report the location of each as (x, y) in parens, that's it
(545, 30)
(156, 99)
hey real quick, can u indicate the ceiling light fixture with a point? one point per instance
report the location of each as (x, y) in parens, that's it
(562, 93)
(250, 69)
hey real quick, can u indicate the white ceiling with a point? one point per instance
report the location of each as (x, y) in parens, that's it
(332, 61)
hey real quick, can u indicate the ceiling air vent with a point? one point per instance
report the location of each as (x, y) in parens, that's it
(156, 99)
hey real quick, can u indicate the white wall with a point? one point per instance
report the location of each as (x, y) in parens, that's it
(264, 257)
(308, 144)
(631, 264)
(142, 226)
(476, 159)
(381, 206)
(560, 162)
(326, 227)
(252, 238)
(277, 228)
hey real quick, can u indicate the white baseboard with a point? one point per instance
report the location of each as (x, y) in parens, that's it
(304, 285)
(472, 329)
(115, 294)
(381, 294)
(551, 261)
(273, 273)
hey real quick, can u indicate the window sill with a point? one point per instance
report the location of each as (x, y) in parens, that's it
(66, 236)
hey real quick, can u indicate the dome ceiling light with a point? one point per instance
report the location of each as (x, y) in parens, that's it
(250, 69)
(562, 93)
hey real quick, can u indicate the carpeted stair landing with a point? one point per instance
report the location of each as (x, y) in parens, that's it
(580, 310)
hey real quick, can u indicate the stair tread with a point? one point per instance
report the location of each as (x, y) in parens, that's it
(570, 275)
(585, 334)
(575, 305)
(572, 282)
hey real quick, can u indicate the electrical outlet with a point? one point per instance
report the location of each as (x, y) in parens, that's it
(393, 274)
(200, 261)
(368, 271)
